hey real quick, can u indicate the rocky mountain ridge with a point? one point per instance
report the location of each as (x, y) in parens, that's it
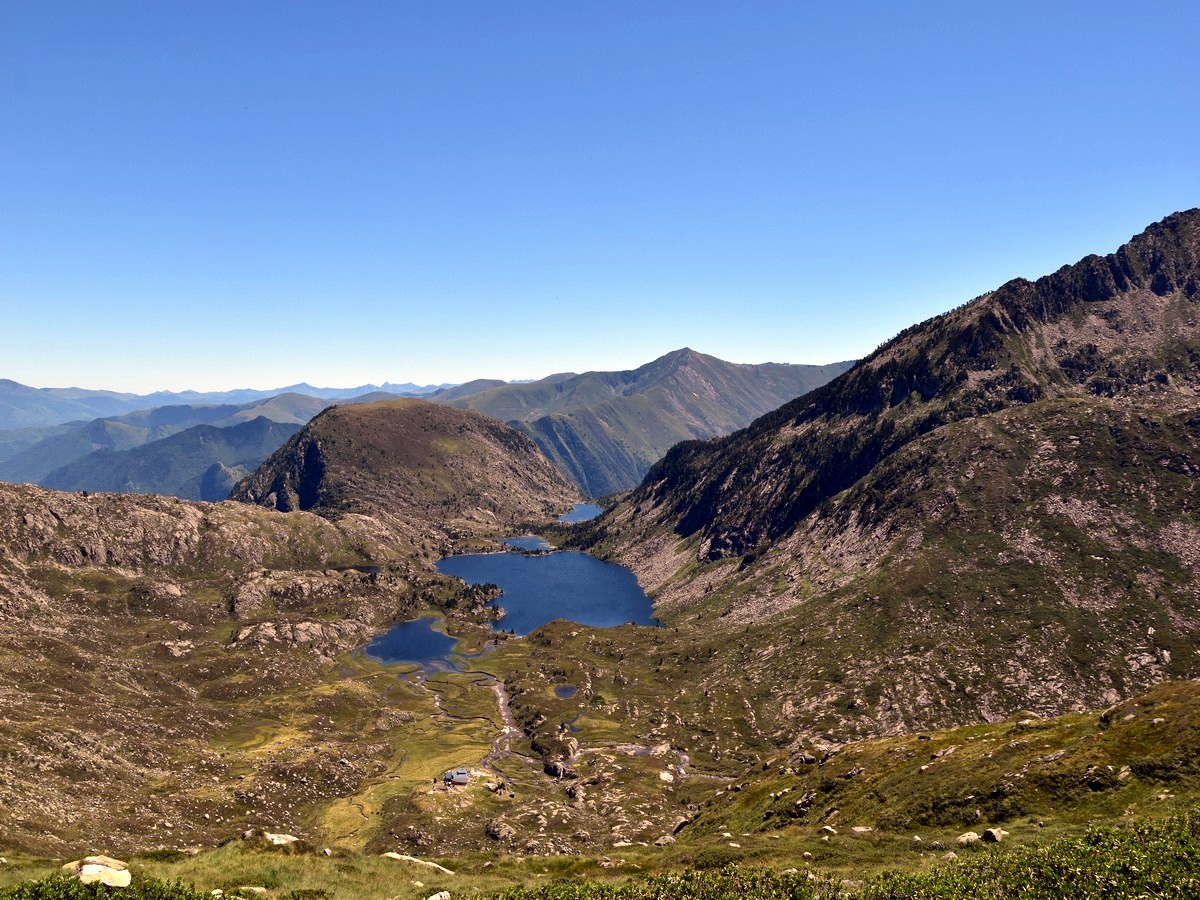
(991, 512)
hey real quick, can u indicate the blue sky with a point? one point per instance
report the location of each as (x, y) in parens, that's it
(216, 195)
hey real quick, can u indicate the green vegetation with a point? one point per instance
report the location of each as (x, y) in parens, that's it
(1149, 858)
(60, 887)
(1152, 859)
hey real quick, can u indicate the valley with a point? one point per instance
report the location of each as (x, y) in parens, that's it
(954, 588)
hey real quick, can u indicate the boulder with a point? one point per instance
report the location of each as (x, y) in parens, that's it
(664, 841)
(500, 831)
(100, 869)
(971, 837)
(440, 895)
(805, 803)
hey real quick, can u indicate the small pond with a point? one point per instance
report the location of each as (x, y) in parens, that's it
(413, 642)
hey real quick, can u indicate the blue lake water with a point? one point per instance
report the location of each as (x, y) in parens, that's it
(580, 512)
(563, 585)
(536, 590)
(413, 642)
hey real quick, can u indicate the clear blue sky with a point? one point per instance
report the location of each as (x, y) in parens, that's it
(227, 194)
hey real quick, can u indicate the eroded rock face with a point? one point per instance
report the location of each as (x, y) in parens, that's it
(144, 533)
(325, 638)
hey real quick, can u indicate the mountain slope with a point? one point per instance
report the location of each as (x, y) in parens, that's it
(409, 461)
(993, 511)
(162, 613)
(177, 466)
(605, 429)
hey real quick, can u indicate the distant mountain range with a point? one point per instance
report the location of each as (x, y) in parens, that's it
(199, 463)
(28, 407)
(605, 429)
(30, 454)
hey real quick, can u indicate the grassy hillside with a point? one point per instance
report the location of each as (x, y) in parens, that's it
(1093, 804)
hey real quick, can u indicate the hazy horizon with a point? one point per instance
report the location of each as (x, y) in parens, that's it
(379, 383)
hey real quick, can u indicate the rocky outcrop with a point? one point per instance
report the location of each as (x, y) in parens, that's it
(325, 638)
(152, 534)
(499, 830)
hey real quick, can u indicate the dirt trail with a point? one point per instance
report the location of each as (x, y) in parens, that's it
(502, 744)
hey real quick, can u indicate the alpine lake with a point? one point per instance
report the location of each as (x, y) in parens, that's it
(538, 584)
